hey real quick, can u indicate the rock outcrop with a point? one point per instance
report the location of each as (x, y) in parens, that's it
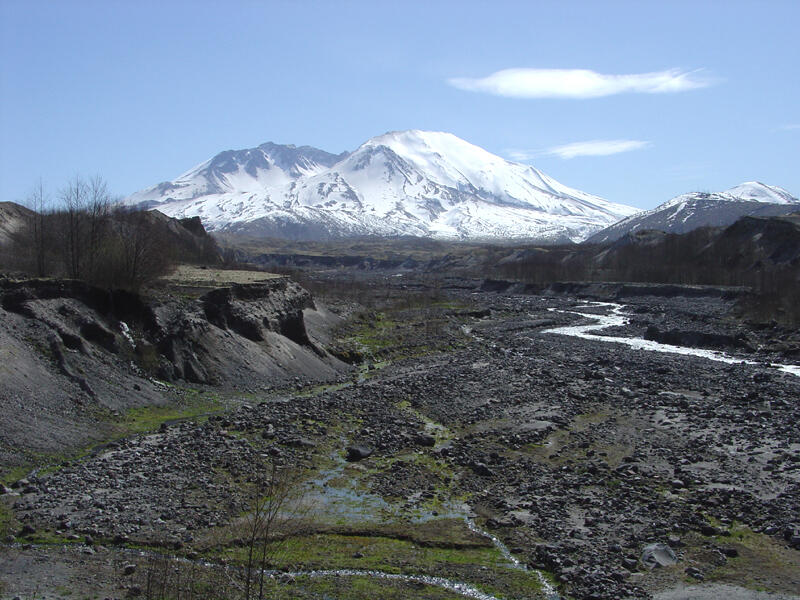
(74, 358)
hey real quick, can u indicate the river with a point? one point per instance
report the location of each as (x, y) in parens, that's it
(616, 317)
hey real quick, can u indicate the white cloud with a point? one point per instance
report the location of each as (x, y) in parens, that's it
(579, 83)
(575, 149)
(596, 148)
(790, 127)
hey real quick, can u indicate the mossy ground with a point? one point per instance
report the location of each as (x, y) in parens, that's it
(355, 588)
(8, 523)
(150, 418)
(404, 330)
(482, 566)
(762, 561)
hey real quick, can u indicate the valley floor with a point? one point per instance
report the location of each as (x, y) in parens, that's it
(472, 419)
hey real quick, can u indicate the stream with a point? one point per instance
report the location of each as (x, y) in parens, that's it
(616, 318)
(548, 589)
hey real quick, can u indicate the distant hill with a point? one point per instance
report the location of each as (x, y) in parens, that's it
(743, 253)
(701, 209)
(13, 218)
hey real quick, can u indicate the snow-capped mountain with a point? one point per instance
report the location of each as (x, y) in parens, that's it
(418, 183)
(699, 209)
(761, 192)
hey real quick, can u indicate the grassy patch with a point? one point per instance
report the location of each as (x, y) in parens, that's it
(439, 533)
(8, 524)
(136, 420)
(762, 564)
(375, 332)
(50, 538)
(326, 551)
(150, 418)
(355, 588)
(406, 328)
(482, 566)
(11, 474)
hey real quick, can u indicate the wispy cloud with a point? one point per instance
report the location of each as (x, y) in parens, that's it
(576, 149)
(789, 127)
(597, 148)
(580, 83)
(524, 155)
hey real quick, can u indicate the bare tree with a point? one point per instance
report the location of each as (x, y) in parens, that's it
(143, 252)
(38, 202)
(277, 511)
(98, 209)
(74, 197)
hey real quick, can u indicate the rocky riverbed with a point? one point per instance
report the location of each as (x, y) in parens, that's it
(582, 456)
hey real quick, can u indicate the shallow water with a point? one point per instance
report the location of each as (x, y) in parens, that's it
(337, 496)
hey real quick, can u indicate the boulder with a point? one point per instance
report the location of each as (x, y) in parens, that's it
(658, 555)
(356, 453)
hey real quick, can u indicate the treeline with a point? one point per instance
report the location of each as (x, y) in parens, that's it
(89, 237)
(762, 254)
(701, 257)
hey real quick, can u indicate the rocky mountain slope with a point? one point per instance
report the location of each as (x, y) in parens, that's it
(699, 209)
(417, 183)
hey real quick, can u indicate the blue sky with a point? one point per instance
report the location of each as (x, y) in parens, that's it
(633, 101)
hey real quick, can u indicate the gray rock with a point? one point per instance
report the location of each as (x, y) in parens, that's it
(709, 530)
(425, 440)
(356, 453)
(694, 573)
(481, 469)
(658, 555)
(630, 563)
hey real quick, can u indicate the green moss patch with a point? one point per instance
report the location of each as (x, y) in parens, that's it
(482, 566)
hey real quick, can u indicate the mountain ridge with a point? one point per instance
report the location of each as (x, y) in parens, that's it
(429, 184)
(686, 212)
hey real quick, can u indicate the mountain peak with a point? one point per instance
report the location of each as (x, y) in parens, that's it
(761, 192)
(419, 142)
